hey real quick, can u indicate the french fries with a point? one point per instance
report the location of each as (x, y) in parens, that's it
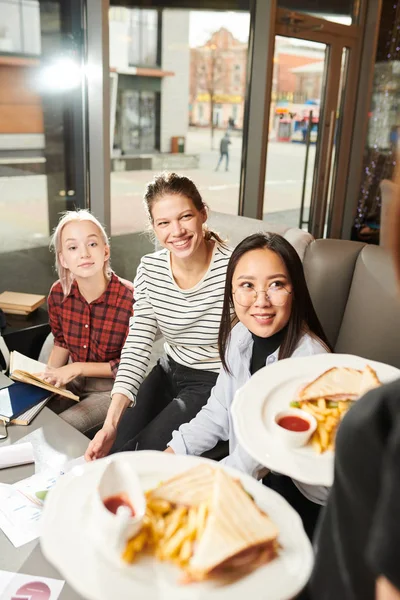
(168, 532)
(328, 415)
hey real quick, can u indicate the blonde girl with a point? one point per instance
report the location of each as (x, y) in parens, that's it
(89, 311)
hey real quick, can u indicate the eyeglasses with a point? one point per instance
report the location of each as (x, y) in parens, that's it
(247, 296)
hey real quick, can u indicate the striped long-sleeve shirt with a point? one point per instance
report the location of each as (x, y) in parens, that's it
(188, 319)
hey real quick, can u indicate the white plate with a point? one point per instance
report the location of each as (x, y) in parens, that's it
(67, 542)
(271, 390)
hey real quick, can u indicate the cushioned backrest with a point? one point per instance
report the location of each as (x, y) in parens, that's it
(371, 321)
(234, 229)
(329, 267)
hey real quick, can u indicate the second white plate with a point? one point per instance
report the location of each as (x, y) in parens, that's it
(272, 389)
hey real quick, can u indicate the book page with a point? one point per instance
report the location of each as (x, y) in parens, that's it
(25, 369)
(19, 362)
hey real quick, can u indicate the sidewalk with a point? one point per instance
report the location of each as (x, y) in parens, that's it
(23, 200)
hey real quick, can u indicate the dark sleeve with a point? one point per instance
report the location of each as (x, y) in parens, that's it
(55, 320)
(384, 540)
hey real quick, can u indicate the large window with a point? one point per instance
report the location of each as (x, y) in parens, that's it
(42, 157)
(296, 97)
(382, 148)
(173, 115)
(179, 84)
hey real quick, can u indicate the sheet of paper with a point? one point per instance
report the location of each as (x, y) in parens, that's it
(16, 454)
(21, 503)
(18, 586)
(24, 363)
(21, 507)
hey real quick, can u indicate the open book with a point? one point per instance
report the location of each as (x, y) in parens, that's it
(25, 369)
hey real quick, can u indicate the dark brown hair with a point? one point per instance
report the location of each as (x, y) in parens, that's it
(171, 183)
(303, 317)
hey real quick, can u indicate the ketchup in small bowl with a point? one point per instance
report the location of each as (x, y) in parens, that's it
(294, 423)
(294, 426)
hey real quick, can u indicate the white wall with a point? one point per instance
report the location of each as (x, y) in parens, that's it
(175, 56)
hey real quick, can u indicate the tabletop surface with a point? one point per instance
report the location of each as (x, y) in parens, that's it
(54, 442)
(22, 322)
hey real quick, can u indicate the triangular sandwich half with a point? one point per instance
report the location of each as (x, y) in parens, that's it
(189, 488)
(237, 538)
(369, 380)
(338, 383)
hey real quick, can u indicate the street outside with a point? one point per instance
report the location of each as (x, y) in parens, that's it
(23, 200)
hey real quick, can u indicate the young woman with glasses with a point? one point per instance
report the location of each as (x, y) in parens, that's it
(266, 288)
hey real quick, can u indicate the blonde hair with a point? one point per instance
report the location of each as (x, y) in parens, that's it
(65, 275)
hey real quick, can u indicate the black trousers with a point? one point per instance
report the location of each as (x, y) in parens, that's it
(308, 511)
(169, 396)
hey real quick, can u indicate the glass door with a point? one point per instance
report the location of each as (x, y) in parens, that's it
(307, 106)
(297, 89)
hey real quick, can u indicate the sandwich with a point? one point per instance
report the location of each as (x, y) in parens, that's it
(238, 536)
(369, 380)
(329, 397)
(339, 384)
(189, 489)
(204, 521)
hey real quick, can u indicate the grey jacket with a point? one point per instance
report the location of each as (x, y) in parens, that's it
(224, 145)
(214, 422)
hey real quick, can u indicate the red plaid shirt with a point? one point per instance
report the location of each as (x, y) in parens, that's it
(94, 332)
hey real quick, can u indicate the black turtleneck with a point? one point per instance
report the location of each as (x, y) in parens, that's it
(264, 347)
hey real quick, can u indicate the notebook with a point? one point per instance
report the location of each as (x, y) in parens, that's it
(19, 398)
(25, 369)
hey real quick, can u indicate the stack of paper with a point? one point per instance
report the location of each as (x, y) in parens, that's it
(17, 303)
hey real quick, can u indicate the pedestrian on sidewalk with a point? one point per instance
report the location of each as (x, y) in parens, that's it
(224, 151)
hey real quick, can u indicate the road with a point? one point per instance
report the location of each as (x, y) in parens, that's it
(23, 200)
